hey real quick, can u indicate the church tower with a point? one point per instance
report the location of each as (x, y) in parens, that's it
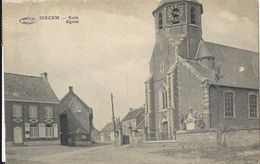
(180, 22)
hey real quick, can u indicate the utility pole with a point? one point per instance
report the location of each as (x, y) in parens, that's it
(113, 115)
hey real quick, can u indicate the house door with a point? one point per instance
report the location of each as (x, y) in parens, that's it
(165, 131)
(18, 135)
(63, 129)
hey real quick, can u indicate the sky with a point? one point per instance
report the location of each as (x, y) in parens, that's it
(109, 49)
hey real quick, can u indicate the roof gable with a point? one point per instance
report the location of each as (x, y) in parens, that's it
(28, 88)
(71, 103)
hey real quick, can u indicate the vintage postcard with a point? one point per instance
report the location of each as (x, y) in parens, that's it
(130, 82)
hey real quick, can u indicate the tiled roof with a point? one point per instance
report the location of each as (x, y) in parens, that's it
(133, 114)
(238, 68)
(28, 88)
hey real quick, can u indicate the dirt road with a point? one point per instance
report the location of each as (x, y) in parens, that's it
(108, 154)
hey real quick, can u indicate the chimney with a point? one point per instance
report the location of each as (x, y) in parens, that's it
(44, 76)
(70, 89)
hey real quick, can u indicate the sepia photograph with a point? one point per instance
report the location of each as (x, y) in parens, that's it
(130, 82)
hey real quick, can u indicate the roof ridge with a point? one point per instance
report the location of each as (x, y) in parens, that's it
(22, 75)
(228, 46)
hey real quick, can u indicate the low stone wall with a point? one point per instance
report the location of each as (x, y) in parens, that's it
(209, 138)
(197, 139)
(219, 138)
(238, 138)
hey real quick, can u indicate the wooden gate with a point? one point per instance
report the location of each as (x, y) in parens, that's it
(64, 129)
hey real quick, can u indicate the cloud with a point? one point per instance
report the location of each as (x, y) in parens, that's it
(229, 16)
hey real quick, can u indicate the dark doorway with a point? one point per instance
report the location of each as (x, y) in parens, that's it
(165, 131)
(125, 140)
(63, 129)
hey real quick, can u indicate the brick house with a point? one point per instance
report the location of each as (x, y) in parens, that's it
(30, 109)
(76, 120)
(107, 132)
(194, 84)
(132, 121)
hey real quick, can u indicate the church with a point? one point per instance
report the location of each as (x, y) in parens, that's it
(195, 85)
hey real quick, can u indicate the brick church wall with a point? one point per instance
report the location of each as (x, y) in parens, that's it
(241, 108)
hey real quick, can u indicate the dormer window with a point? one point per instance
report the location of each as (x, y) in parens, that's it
(160, 21)
(193, 15)
(78, 110)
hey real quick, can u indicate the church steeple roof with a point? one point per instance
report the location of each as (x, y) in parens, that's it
(169, 1)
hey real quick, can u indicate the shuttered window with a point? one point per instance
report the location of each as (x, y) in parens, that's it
(27, 130)
(55, 130)
(253, 106)
(34, 132)
(229, 104)
(48, 131)
(32, 111)
(17, 110)
(48, 112)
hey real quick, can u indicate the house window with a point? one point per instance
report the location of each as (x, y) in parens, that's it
(48, 112)
(17, 110)
(160, 21)
(33, 111)
(48, 131)
(34, 132)
(193, 16)
(252, 106)
(229, 104)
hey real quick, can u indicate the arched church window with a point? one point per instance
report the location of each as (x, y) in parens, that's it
(160, 21)
(163, 99)
(229, 104)
(193, 15)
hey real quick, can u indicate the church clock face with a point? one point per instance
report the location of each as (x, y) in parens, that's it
(175, 13)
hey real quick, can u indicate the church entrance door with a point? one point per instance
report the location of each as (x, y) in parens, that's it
(165, 131)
